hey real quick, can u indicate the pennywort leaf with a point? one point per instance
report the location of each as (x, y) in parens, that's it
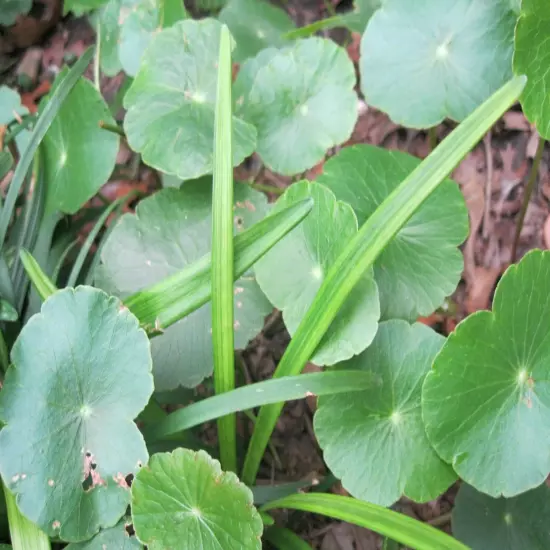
(365, 247)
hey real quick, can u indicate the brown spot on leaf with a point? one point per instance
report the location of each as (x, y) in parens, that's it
(92, 477)
(120, 480)
(56, 524)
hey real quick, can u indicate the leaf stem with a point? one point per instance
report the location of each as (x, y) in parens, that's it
(527, 197)
(432, 136)
(265, 188)
(112, 128)
(222, 254)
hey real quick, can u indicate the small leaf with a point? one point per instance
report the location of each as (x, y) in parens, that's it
(170, 230)
(291, 273)
(363, 10)
(447, 57)
(531, 57)
(115, 537)
(374, 440)
(170, 118)
(79, 156)
(255, 25)
(184, 500)
(486, 403)
(11, 9)
(82, 372)
(485, 523)
(421, 265)
(109, 36)
(10, 105)
(301, 101)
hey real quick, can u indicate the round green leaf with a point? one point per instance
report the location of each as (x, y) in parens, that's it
(422, 265)
(531, 57)
(485, 523)
(170, 118)
(115, 538)
(81, 372)
(11, 9)
(427, 60)
(375, 440)
(170, 230)
(184, 500)
(107, 19)
(79, 156)
(255, 25)
(486, 403)
(301, 101)
(292, 271)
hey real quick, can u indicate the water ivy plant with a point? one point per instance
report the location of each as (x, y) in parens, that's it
(108, 343)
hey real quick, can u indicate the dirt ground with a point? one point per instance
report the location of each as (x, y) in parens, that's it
(492, 178)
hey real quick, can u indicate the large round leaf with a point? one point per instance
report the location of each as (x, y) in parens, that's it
(485, 523)
(184, 500)
(427, 60)
(115, 538)
(422, 264)
(375, 440)
(81, 372)
(255, 25)
(291, 273)
(170, 230)
(532, 57)
(170, 118)
(79, 156)
(486, 403)
(301, 101)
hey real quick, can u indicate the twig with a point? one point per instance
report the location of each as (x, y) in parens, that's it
(267, 188)
(443, 519)
(527, 197)
(488, 183)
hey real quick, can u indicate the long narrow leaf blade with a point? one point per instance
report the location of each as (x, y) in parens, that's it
(43, 124)
(222, 253)
(255, 395)
(366, 246)
(39, 279)
(399, 527)
(285, 539)
(175, 297)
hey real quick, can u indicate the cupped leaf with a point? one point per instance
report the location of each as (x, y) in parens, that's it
(531, 57)
(79, 155)
(485, 523)
(424, 61)
(374, 440)
(486, 402)
(300, 100)
(184, 500)
(421, 265)
(170, 118)
(255, 25)
(291, 273)
(171, 230)
(116, 537)
(11, 9)
(81, 372)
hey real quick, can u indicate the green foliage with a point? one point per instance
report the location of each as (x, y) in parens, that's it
(115, 537)
(531, 57)
(421, 266)
(11, 9)
(374, 440)
(298, 118)
(424, 61)
(170, 230)
(184, 500)
(488, 384)
(80, 7)
(170, 118)
(75, 412)
(485, 523)
(291, 273)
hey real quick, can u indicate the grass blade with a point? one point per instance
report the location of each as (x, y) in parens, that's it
(83, 253)
(222, 253)
(175, 297)
(42, 125)
(399, 527)
(255, 395)
(285, 539)
(365, 247)
(39, 279)
(320, 25)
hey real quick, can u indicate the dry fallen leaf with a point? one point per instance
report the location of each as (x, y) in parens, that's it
(480, 285)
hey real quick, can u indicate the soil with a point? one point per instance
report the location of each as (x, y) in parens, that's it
(492, 178)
